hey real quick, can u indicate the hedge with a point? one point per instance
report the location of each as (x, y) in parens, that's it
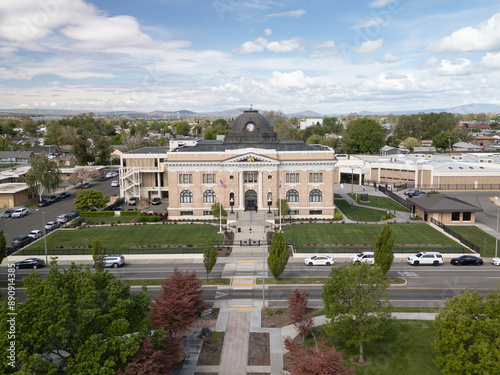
(96, 213)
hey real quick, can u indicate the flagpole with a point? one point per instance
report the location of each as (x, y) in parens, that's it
(220, 209)
(280, 202)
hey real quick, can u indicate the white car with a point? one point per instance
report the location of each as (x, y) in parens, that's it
(115, 183)
(425, 258)
(20, 212)
(319, 260)
(63, 218)
(51, 225)
(35, 234)
(495, 261)
(365, 256)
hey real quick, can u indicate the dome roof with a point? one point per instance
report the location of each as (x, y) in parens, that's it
(251, 116)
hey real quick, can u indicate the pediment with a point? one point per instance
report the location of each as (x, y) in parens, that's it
(251, 157)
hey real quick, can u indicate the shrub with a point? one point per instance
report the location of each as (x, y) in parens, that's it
(96, 213)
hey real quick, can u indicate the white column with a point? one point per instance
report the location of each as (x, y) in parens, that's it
(259, 196)
(240, 191)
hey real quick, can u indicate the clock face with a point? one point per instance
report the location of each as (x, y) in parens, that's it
(250, 127)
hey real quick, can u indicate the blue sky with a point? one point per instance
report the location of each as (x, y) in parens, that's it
(330, 56)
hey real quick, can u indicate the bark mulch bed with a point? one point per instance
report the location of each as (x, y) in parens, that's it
(258, 349)
(211, 350)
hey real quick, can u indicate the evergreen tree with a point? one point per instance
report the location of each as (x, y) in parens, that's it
(383, 250)
(98, 252)
(278, 255)
(3, 245)
(209, 256)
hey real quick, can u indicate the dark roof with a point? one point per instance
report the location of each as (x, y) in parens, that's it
(443, 203)
(214, 146)
(149, 150)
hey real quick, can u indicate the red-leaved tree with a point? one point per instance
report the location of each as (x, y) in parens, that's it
(317, 360)
(158, 355)
(297, 304)
(178, 305)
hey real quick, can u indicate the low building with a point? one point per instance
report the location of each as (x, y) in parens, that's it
(16, 157)
(310, 122)
(447, 210)
(13, 194)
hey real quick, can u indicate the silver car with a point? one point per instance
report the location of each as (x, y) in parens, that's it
(114, 261)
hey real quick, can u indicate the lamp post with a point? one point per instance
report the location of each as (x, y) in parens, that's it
(496, 238)
(45, 238)
(352, 180)
(263, 269)
(269, 203)
(231, 203)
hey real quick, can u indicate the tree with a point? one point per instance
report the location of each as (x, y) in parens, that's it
(102, 150)
(90, 200)
(363, 136)
(143, 205)
(318, 360)
(178, 305)
(209, 256)
(443, 140)
(297, 304)
(216, 209)
(383, 250)
(29, 126)
(76, 320)
(314, 139)
(3, 245)
(44, 174)
(357, 303)
(285, 209)
(278, 255)
(74, 179)
(98, 252)
(86, 174)
(81, 150)
(410, 143)
(182, 128)
(468, 334)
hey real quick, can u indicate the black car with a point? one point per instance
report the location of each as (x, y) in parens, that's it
(414, 193)
(45, 202)
(10, 250)
(55, 198)
(73, 214)
(465, 260)
(21, 241)
(156, 201)
(65, 194)
(30, 263)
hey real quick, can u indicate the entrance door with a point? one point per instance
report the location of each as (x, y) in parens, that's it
(251, 200)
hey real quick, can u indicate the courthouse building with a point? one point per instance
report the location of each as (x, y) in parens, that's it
(249, 169)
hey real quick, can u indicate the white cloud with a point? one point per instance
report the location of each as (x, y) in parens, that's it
(291, 81)
(291, 13)
(484, 38)
(370, 46)
(267, 32)
(456, 67)
(379, 3)
(491, 60)
(371, 22)
(259, 44)
(389, 58)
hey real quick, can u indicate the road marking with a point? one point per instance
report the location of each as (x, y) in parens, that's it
(220, 294)
(407, 274)
(246, 261)
(241, 308)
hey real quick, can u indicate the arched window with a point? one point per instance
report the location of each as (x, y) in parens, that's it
(209, 196)
(315, 196)
(292, 195)
(186, 196)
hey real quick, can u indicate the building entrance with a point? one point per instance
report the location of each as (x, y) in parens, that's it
(251, 200)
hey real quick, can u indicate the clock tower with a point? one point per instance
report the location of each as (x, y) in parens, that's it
(251, 127)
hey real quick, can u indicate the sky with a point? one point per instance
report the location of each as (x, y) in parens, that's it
(328, 56)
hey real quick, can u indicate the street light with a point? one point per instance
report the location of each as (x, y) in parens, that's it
(263, 269)
(352, 180)
(231, 203)
(45, 238)
(496, 237)
(269, 203)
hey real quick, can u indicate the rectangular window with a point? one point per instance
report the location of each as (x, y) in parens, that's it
(185, 178)
(250, 177)
(186, 213)
(315, 177)
(207, 213)
(209, 178)
(315, 212)
(292, 177)
(466, 216)
(293, 212)
(161, 180)
(156, 163)
(455, 216)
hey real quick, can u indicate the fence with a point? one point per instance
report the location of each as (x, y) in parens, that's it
(332, 249)
(460, 187)
(456, 235)
(402, 201)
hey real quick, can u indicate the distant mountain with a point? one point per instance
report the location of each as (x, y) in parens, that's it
(183, 112)
(308, 114)
(461, 109)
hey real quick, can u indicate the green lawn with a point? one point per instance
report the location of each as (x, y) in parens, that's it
(358, 213)
(355, 234)
(407, 347)
(109, 219)
(381, 202)
(476, 236)
(124, 237)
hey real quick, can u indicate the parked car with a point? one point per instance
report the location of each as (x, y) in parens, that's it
(21, 241)
(365, 256)
(44, 202)
(156, 200)
(103, 178)
(109, 175)
(8, 213)
(51, 225)
(495, 261)
(419, 195)
(63, 218)
(114, 261)
(73, 214)
(34, 234)
(86, 185)
(414, 192)
(466, 260)
(319, 260)
(132, 201)
(411, 191)
(425, 258)
(20, 212)
(115, 183)
(65, 194)
(10, 250)
(55, 198)
(30, 263)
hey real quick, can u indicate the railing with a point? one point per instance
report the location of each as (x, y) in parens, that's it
(250, 242)
(460, 187)
(333, 249)
(402, 201)
(456, 235)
